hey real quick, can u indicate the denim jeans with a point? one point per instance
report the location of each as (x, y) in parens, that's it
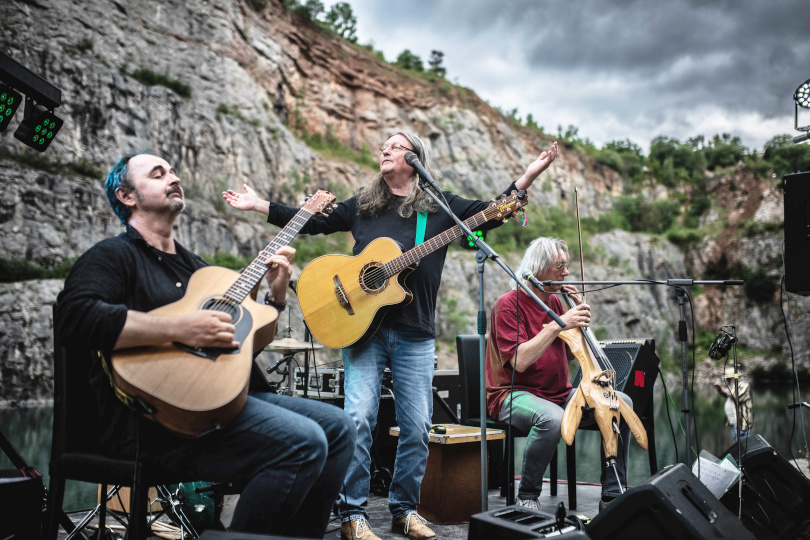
(743, 433)
(409, 353)
(290, 453)
(542, 420)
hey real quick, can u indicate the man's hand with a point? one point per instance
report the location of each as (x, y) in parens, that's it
(537, 166)
(577, 317)
(279, 271)
(246, 201)
(573, 293)
(206, 328)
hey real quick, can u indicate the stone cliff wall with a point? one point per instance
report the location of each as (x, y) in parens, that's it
(256, 83)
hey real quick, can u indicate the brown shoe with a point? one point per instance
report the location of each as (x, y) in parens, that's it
(413, 526)
(357, 529)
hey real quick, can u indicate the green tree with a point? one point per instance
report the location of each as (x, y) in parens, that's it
(341, 19)
(410, 61)
(435, 63)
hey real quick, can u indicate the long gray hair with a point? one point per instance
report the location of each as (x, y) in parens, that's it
(374, 197)
(539, 257)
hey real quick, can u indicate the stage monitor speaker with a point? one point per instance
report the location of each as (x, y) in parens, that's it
(671, 504)
(636, 367)
(775, 495)
(797, 233)
(519, 523)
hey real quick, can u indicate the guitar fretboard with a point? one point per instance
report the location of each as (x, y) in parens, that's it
(256, 270)
(412, 256)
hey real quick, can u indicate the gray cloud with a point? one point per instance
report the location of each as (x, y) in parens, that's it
(628, 63)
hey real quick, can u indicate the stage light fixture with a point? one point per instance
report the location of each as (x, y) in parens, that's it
(467, 242)
(39, 126)
(802, 95)
(9, 101)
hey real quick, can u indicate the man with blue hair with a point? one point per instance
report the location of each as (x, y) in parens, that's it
(289, 453)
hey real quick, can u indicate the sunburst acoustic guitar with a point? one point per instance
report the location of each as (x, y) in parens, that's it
(344, 298)
(191, 390)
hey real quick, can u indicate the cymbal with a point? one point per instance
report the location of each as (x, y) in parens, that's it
(292, 345)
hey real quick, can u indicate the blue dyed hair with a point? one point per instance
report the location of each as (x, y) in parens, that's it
(119, 178)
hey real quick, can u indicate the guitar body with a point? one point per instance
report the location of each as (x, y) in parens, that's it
(339, 306)
(194, 391)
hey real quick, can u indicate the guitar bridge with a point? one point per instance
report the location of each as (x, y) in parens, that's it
(342, 297)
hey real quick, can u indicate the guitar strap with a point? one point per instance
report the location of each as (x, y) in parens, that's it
(133, 403)
(421, 225)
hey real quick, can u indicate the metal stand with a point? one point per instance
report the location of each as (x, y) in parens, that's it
(485, 252)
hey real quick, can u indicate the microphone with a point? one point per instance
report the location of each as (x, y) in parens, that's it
(277, 365)
(413, 160)
(721, 345)
(533, 280)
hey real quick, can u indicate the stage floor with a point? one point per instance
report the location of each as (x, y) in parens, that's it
(380, 518)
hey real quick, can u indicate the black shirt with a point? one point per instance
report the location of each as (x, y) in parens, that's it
(425, 280)
(112, 277)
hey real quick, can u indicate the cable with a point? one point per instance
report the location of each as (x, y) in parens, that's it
(669, 417)
(796, 389)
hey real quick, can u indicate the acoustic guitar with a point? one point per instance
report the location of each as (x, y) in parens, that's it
(193, 391)
(344, 298)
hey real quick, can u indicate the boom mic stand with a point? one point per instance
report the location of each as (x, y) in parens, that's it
(484, 252)
(680, 292)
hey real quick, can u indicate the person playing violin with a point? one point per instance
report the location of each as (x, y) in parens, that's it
(527, 370)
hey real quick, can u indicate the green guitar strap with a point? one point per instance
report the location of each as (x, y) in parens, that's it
(421, 224)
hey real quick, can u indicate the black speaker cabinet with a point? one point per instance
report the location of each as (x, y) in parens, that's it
(518, 523)
(797, 233)
(671, 504)
(775, 496)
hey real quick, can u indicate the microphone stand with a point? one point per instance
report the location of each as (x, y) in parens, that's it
(680, 292)
(484, 252)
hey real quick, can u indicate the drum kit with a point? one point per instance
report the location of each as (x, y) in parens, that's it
(288, 347)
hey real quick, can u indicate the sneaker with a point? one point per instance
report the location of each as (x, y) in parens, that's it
(357, 529)
(534, 504)
(605, 501)
(413, 526)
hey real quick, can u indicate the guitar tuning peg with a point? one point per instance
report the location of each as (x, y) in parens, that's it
(330, 209)
(301, 204)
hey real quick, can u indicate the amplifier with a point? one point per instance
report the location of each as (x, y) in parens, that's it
(324, 383)
(636, 366)
(327, 383)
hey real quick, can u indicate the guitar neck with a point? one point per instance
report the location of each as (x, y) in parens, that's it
(412, 256)
(256, 270)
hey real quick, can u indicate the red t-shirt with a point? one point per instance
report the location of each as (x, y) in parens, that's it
(547, 377)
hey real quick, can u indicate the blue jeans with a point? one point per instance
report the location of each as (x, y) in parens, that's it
(542, 420)
(409, 353)
(289, 452)
(743, 433)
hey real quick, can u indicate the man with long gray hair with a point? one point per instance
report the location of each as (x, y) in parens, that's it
(392, 205)
(527, 369)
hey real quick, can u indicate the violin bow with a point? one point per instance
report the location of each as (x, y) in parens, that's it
(579, 234)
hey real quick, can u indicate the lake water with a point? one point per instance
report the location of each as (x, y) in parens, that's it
(29, 430)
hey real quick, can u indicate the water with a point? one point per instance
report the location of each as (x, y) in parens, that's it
(29, 430)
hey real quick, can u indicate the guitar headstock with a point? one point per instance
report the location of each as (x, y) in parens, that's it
(507, 205)
(319, 202)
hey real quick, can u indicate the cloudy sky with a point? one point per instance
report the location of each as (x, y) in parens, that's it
(615, 69)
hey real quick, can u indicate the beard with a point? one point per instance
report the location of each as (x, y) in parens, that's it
(176, 205)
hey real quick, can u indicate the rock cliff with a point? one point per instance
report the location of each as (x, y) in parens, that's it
(239, 95)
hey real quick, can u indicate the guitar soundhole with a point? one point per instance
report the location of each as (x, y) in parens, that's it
(224, 305)
(373, 279)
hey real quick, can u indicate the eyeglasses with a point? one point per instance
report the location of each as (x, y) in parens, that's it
(561, 265)
(394, 147)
